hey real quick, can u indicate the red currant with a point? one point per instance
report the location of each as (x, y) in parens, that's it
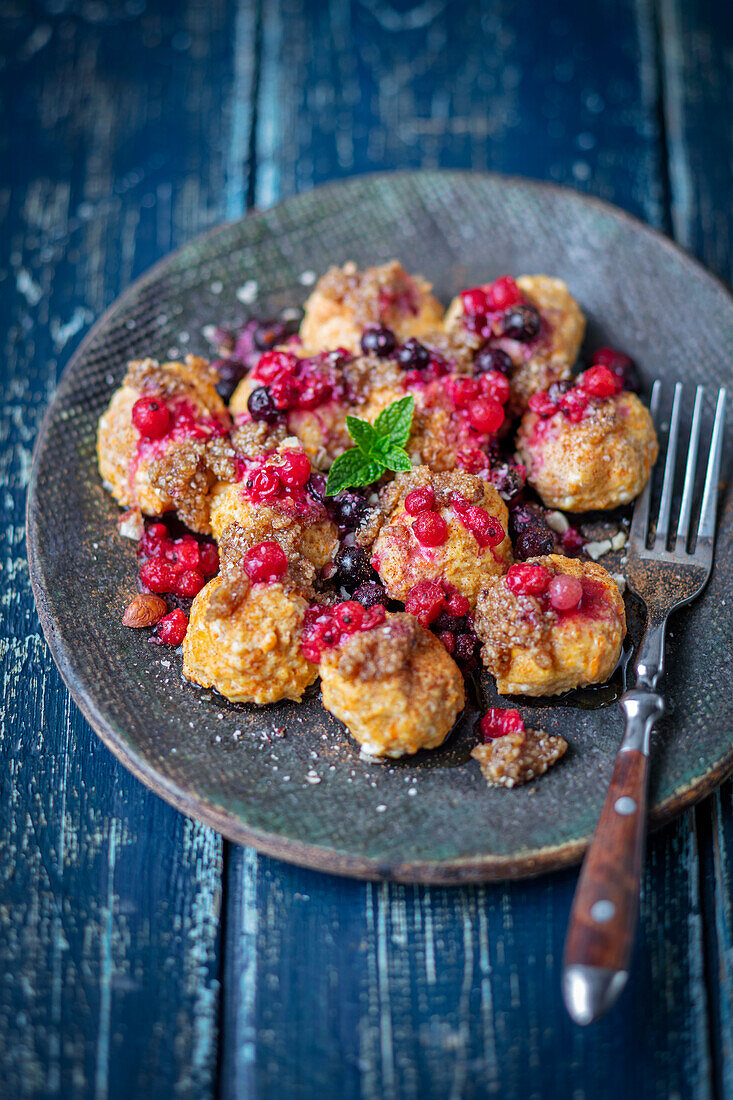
(265, 484)
(565, 593)
(273, 364)
(425, 601)
(540, 404)
(474, 300)
(295, 470)
(486, 415)
(265, 562)
(190, 583)
(495, 385)
(420, 500)
(503, 293)
(430, 529)
(151, 417)
(209, 558)
(171, 630)
(464, 392)
(157, 575)
(485, 528)
(456, 604)
(599, 382)
(498, 722)
(528, 579)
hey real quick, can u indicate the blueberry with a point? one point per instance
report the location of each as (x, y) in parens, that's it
(465, 647)
(353, 569)
(413, 355)
(531, 536)
(261, 405)
(378, 341)
(371, 593)
(449, 623)
(348, 509)
(231, 372)
(521, 323)
(268, 334)
(488, 358)
(508, 479)
(317, 487)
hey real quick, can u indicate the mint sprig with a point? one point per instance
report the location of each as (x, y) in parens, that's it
(379, 446)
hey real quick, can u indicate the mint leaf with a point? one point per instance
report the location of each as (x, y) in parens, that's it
(362, 432)
(352, 469)
(397, 460)
(395, 421)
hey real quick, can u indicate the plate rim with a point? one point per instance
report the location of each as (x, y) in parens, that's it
(460, 870)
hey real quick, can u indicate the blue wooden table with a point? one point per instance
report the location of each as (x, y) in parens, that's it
(140, 955)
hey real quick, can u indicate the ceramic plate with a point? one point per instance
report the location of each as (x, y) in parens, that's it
(287, 778)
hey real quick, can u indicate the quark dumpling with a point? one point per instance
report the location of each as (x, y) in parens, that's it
(272, 501)
(450, 528)
(244, 640)
(308, 395)
(162, 438)
(533, 323)
(585, 447)
(549, 625)
(394, 686)
(345, 301)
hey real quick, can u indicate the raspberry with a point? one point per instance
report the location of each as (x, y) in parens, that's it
(420, 500)
(295, 470)
(565, 593)
(190, 583)
(151, 417)
(209, 558)
(430, 529)
(171, 629)
(503, 293)
(498, 722)
(486, 415)
(599, 382)
(475, 300)
(157, 575)
(265, 562)
(525, 579)
(425, 601)
(374, 616)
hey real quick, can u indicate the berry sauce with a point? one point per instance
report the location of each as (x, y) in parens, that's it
(326, 627)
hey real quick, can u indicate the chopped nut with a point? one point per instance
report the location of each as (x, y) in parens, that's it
(130, 524)
(516, 758)
(144, 610)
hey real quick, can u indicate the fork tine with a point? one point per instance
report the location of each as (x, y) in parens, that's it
(665, 505)
(706, 528)
(640, 518)
(683, 526)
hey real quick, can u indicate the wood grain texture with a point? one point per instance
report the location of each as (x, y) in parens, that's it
(697, 45)
(110, 901)
(387, 991)
(611, 874)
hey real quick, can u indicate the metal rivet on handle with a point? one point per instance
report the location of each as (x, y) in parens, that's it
(625, 806)
(602, 911)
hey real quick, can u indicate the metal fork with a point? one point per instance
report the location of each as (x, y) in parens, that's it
(605, 909)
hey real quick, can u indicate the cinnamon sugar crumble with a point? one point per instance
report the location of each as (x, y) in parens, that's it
(506, 621)
(363, 292)
(366, 656)
(517, 758)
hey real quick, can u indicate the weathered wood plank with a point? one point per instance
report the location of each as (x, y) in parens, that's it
(114, 151)
(391, 991)
(697, 45)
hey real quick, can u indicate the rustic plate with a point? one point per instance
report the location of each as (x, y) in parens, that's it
(287, 779)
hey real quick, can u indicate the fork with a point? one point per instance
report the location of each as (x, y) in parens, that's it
(605, 908)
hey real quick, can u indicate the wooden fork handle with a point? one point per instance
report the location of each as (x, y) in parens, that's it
(603, 918)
